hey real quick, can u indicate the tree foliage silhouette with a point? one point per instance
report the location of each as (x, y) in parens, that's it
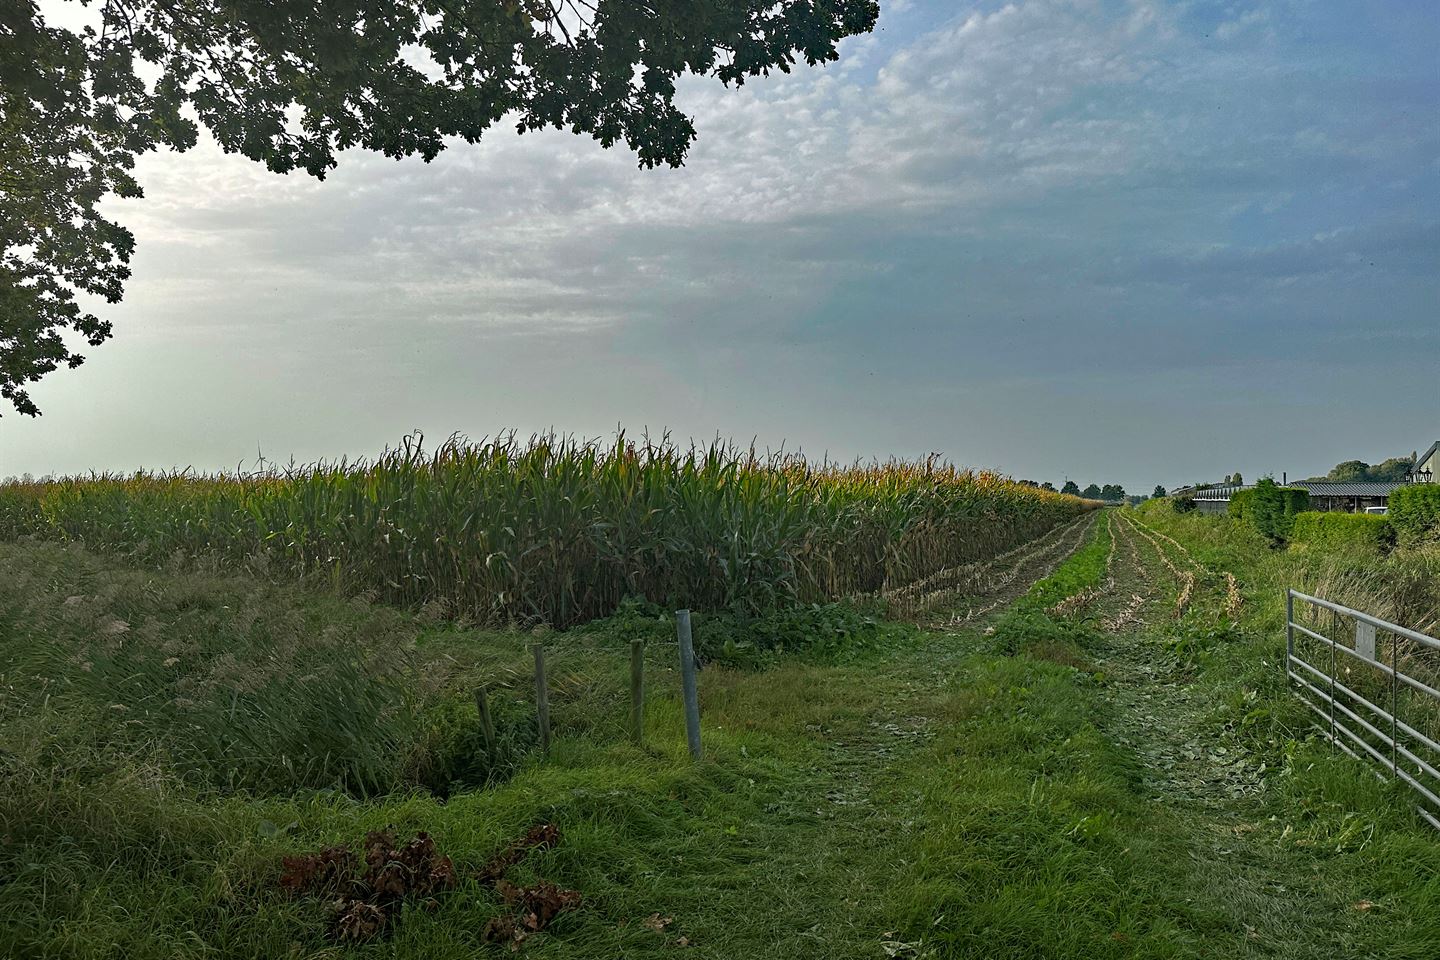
(291, 83)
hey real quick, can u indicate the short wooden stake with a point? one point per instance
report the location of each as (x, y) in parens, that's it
(487, 725)
(688, 684)
(637, 690)
(542, 697)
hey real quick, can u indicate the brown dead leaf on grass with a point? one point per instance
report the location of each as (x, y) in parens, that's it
(361, 921)
(365, 898)
(534, 906)
(658, 923)
(542, 836)
(329, 872)
(414, 869)
(366, 890)
(504, 930)
(537, 906)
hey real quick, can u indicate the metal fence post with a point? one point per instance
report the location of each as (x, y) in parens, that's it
(1289, 630)
(542, 697)
(688, 683)
(1394, 702)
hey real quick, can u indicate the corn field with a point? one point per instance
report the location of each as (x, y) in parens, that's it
(558, 530)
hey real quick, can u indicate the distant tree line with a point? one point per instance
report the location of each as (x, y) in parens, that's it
(1110, 492)
(1393, 470)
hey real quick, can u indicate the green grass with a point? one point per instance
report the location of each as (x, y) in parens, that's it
(135, 827)
(1244, 667)
(868, 790)
(1320, 817)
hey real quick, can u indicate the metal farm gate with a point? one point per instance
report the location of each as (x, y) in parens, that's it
(1374, 686)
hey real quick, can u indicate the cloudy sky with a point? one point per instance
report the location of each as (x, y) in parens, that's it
(1113, 240)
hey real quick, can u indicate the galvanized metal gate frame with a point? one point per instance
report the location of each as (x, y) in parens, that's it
(1337, 704)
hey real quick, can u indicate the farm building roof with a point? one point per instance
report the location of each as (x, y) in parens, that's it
(1319, 488)
(1220, 491)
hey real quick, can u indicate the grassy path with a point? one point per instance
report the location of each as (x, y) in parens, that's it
(840, 845)
(1286, 899)
(1234, 884)
(1280, 901)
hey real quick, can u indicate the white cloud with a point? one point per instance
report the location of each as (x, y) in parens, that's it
(1060, 187)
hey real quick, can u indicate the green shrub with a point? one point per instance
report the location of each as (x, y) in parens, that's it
(1343, 531)
(738, 638)
(1415, 511)
(834, 630)
(1270, 508)
(452, 754)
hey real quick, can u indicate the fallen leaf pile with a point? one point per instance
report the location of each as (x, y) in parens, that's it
(366, 896)
(534, 906)
(366, 891)
(537, 906)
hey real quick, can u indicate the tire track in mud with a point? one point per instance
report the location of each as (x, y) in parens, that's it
(1207, 785)
(1233, 599)
(1185, 573)
(1203, 786)
(1009, 585)
(1159, 712)
(982, 577)
(1108, 599)
(1083, 599)
(1139, 585)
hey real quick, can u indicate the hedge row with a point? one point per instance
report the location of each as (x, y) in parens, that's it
(1270, 508)
(1415, 511)
(1343, 531)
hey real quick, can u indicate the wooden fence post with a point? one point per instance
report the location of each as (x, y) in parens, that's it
(637, 690)
(487, 725)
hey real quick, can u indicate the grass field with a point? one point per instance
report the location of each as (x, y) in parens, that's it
(1079, 772)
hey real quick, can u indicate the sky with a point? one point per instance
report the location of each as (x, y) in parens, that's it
(1108, 240)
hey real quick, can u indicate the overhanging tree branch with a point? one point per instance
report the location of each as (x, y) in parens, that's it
(290, 83)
